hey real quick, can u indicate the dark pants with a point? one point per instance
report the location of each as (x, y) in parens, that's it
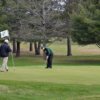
(49, 61)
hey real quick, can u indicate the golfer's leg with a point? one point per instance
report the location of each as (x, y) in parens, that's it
(50, 62)
(6, 61)
(3, 64)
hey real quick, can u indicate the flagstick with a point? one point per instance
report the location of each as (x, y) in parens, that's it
(13, 61)
(12, 58)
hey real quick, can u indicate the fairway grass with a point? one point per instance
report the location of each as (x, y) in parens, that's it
(61, 74)
(59, 83)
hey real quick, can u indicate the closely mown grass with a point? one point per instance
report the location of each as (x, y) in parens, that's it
(58, 74)
(72, 78)
(58, 60)
(59, 83)
(14, 90)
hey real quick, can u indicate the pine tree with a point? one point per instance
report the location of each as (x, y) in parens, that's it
(86, 22)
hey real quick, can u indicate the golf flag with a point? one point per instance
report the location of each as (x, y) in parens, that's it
(4, 33)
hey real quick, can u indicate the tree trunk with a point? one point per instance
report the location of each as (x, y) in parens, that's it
(14, 46)
(37, 48)
(31, 47)
(18, 49)
(69, 46)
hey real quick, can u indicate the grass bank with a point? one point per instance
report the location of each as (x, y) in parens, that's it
(14, 90)
(59, 83)
(58, 60)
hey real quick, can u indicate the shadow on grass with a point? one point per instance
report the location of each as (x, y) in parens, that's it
(58, 60)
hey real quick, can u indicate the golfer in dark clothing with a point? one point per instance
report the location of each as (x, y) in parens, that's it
(48, 56)
(4, 53)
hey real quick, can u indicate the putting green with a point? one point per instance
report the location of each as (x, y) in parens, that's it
(62, 74)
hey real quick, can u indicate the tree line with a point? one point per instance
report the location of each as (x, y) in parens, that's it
(45, 21)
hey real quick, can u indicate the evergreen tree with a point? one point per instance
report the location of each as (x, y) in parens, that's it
(3, 17)
(86, 22)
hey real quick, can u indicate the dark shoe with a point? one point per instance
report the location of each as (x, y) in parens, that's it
(46, 67)
(2, 71)
(50, 67)
(7, 70)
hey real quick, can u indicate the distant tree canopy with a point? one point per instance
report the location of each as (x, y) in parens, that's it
(2, 2)
(30, 19)
(86, 22)
(3, 16)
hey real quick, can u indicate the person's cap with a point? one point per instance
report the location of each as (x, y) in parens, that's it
(6, 41)
(42, 47)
